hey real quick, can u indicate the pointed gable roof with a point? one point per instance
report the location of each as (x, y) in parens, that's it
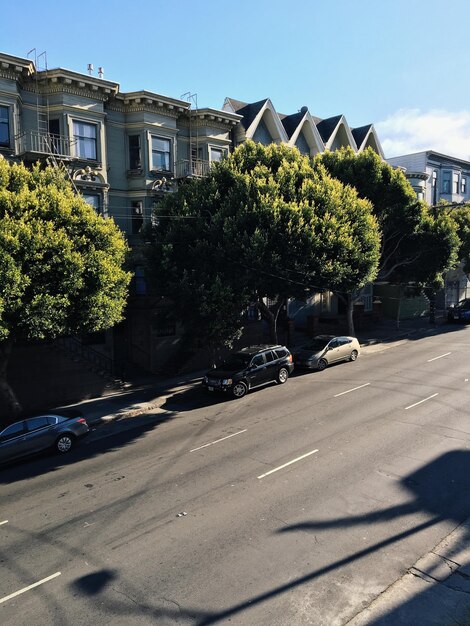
(365, 137)
(291, 122)
(327, 127)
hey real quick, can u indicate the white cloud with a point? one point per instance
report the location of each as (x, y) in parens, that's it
(413, 130)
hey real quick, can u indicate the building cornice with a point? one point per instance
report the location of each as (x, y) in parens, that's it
(14, 68)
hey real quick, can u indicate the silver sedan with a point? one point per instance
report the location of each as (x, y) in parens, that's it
(39, 433)
(326, 349)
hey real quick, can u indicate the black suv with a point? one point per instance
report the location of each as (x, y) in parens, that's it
(250, 367)
(459, 312)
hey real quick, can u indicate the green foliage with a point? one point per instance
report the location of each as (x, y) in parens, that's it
(264, 223)
(460, 216)
(415, 246)
(61, 265)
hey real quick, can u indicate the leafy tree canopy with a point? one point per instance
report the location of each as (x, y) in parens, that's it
(264, 223)
(61, 265)
(415, 246)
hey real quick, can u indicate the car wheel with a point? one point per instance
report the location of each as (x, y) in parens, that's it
(321, 365)
(239, 389)
(64, 443)
(282, 375)
(353, 355)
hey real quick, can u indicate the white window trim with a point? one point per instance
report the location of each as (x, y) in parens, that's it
(172, 141)
(85, 120)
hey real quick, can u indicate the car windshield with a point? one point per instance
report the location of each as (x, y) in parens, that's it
(465, 305)
(316, 345)
(235, 361)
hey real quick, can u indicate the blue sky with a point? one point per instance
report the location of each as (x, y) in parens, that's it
(400, 64)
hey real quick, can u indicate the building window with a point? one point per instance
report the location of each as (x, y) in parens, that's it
(164, 324)
(137, 217)
(434, 178)
(216, 155)
(135, 161)
(93, 200)
(455, 182)
(161, 154)
(85, 140)
(4, 127)
(463, 185)
(446, 182)
(140, 287)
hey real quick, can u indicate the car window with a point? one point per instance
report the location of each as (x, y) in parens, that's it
(35, 423)
(344, 340)
(12, 431)
(334, 343)
(236, 361)
(269, 356)
(466, 305)
(281, 353)
(53, 420)
(257, 360)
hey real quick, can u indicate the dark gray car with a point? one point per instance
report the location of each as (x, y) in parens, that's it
(39, 433)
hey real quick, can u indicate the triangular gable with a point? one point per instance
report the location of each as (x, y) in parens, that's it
(341, 137)
(271, 121)
(307, 130)
(366, 137)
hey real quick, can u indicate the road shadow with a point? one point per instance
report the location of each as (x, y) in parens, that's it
(439, 491)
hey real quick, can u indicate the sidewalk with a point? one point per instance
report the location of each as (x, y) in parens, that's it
(149, 393)
(434, 592)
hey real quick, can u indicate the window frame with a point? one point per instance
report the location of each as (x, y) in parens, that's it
(154, 152)
(137, 216)
(7, 123)
(446, 182)
(76, 138)
(223, 153)
(135, 162)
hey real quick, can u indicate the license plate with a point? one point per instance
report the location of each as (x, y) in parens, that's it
(210, 388)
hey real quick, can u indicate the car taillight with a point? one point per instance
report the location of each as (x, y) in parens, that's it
(81, 420)
(290, 358)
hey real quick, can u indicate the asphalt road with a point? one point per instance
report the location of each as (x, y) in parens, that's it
(297, 504)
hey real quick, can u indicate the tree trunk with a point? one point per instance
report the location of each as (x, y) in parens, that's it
(7, 396)
(350, 314)
(270, 317)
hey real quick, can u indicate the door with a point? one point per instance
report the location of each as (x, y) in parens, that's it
(257, 374)
(12, 441)
(39, 433)
(333, 351)
(272, 365)
(345, 348)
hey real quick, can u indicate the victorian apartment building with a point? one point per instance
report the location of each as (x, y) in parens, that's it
(124, 150)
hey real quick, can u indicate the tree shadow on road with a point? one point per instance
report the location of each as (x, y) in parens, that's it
(440, 492)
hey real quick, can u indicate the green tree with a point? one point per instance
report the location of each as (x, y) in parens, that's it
(265, 225)
(460, 215)
(416, 246)
(61, 265)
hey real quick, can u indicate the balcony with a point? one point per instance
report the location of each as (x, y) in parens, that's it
(34, 144)
(196, 168)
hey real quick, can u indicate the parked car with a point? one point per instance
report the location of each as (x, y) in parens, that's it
(250, 367)
(326, 349)
(32, 435)
(459, 312)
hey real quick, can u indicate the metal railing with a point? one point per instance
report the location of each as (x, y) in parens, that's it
(196, 167)
(74, 347)
(44, 143)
